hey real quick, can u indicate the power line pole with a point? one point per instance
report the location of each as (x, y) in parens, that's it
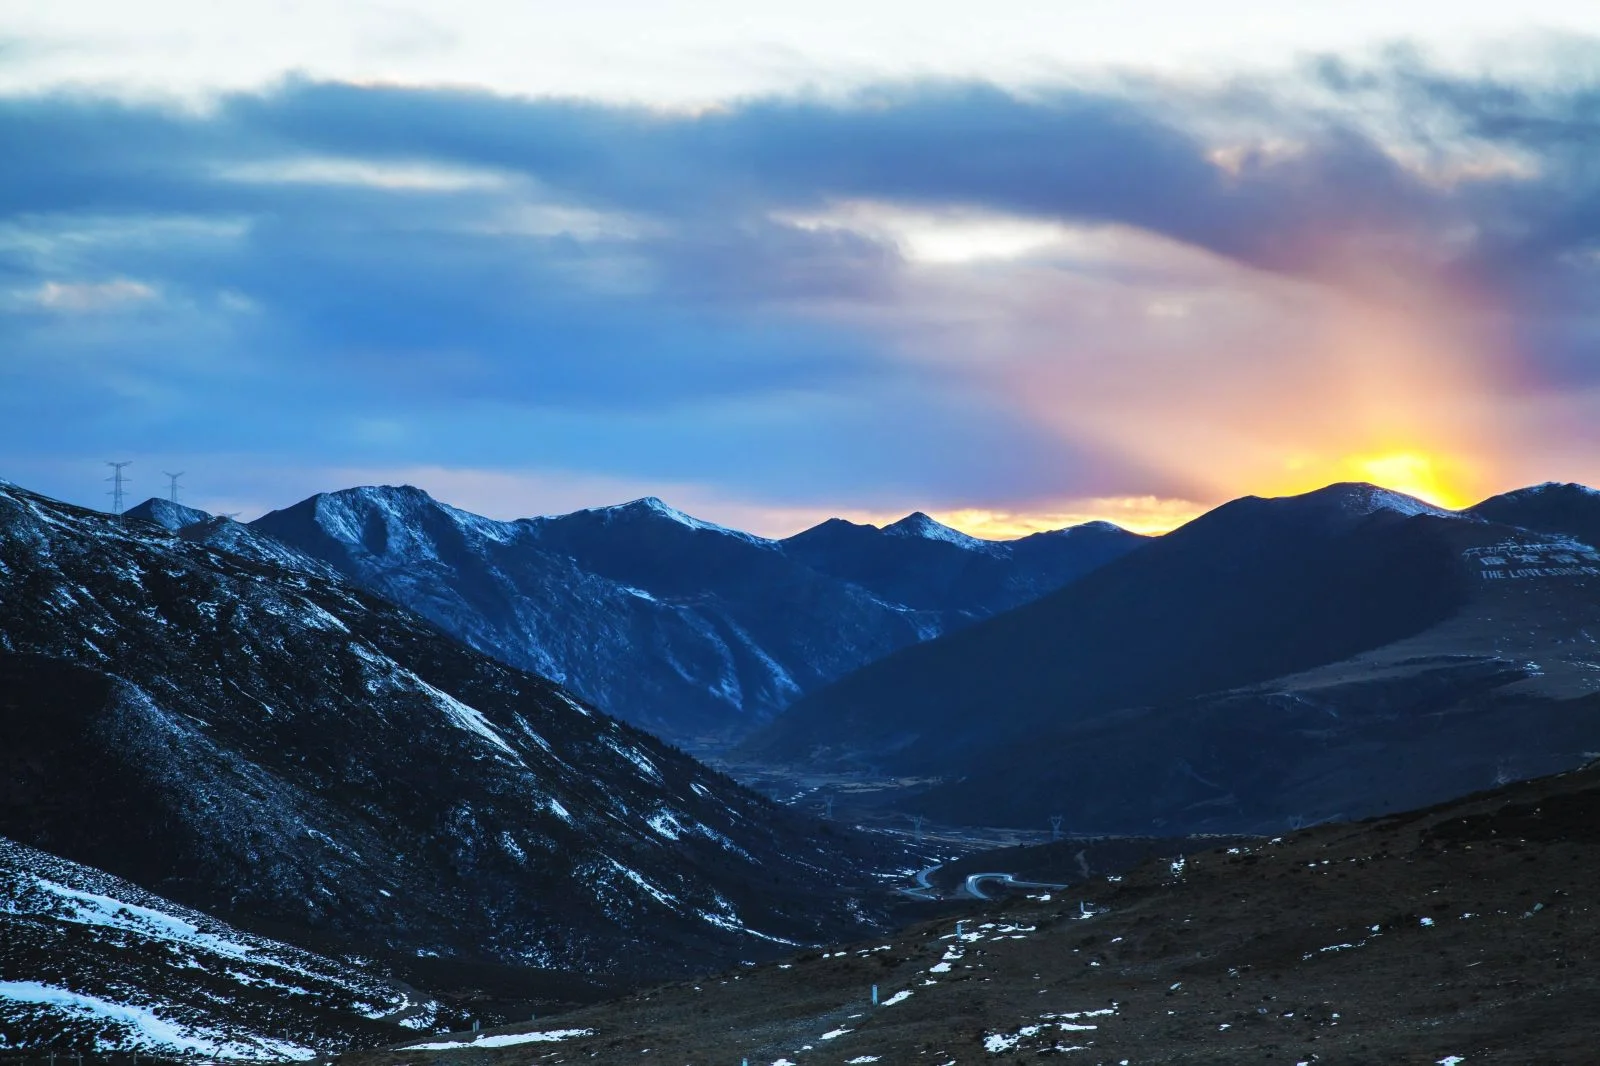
(173, 478)
(117, 479)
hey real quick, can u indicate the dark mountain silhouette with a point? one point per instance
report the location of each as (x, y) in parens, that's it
(928, 566)
(1566, 510)
(691, 630)
(1342, 652)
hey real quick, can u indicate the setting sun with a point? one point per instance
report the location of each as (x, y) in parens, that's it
(1436, 478)
(1412, 473)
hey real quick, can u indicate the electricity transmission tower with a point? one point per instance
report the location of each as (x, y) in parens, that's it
(117, 479)
(1055, 826)
(173, 478)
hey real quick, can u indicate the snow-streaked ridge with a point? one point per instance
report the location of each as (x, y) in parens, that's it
(147, 1030)
(141, 972)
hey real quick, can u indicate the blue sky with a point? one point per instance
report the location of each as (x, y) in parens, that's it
(819, 268)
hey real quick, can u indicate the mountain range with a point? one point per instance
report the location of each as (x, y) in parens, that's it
(693, 631)
(1275, 661)
(300, 759)
(260, 751)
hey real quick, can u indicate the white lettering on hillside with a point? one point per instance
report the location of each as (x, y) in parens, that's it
(1516, 560)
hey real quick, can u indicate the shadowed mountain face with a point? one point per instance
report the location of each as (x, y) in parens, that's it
(1343, 652)
(693, 631)
(293, 754)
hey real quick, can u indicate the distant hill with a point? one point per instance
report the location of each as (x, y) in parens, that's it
(693, 631)
(166, 514)
(1339, 653)
(928, 566)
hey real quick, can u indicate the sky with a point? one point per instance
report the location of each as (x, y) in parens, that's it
(1015, 264)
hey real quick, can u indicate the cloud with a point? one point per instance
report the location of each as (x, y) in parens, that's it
(932, 294)
(67, 297)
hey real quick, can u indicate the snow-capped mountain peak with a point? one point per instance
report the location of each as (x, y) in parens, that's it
(920, 524)
(1099, 525)
(653, 507)
(1329, 509)
(1361, 498)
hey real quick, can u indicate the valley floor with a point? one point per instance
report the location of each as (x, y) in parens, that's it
(1464, 934)
(878, 803)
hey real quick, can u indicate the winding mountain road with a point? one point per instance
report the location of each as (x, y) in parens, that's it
(970, 886)
(924, 889)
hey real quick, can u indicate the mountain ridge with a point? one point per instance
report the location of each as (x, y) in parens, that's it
(689, 629)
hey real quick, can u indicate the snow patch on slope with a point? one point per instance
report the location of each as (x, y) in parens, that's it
(128, 1026)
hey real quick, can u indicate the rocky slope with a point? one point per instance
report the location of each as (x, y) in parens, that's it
(1462, 935)
(91, 963)
(292, 754)
(1274, 662)
(693, 631)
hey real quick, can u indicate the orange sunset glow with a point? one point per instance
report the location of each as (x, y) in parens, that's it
(1442, 482)
(1370, 371)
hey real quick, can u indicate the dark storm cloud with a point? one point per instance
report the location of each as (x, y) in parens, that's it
(1075, 156)
(1529, 223)
(1535, 233)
